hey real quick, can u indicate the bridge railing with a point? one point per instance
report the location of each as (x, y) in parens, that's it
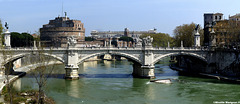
(112, 48)
(181, 48)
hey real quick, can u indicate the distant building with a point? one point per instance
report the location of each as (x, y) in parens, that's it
(219, 32)
(55, 33)
(209, 20)
(235, 17)
(117, 34)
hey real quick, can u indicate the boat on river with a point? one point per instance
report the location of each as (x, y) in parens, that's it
(164, 81)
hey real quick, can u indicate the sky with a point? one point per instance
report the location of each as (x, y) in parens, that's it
(114, 15)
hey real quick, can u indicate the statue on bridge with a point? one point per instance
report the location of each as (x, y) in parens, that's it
(71, 41)
(138, 42)
(147, 41)
(197, 28)
(6, 25)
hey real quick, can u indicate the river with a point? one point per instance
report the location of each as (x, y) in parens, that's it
(111, 82)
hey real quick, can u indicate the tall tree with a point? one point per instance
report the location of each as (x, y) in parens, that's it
(185, 33)
(227, 33)
(42, 73)
(160, 39)
(1, 27)
(1, 33)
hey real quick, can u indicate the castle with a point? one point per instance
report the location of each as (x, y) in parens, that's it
(55, 33)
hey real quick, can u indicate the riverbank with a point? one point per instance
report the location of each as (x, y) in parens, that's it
(20, 72)
(214, 76)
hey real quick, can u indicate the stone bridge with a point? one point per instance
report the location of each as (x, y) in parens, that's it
(143, 55)
(143, 58)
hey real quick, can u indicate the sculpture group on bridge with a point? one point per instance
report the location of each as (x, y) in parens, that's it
(71, 41)
(147, 41)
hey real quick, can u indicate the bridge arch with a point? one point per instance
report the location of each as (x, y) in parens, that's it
(180, 53)
(18, 56)
(128, 56)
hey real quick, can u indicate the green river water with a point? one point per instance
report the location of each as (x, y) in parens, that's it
(111, 82)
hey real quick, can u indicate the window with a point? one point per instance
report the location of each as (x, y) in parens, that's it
(215, 17)
(220, 17)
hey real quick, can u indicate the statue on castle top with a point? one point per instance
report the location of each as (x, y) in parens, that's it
(6, 25)
(147, 41)
(71, 41)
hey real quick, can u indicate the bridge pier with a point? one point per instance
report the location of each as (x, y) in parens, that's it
(71, 72)
(71, 65)
(143, 71)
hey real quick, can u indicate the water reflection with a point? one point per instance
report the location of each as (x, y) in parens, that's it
(73, 88)
(17, 85)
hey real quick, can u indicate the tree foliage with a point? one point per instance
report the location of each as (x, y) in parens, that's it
(125, 38)
(114, 43)
(185, 33)
(21, 40)
(160, 39)
(1, 27)
(89, 39)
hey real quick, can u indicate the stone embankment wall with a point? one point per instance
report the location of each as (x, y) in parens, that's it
(226, 63)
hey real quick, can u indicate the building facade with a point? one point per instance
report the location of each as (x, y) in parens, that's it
(55, 33)
(209, 21)
(235, 17)
(221, 32)
(117, 34)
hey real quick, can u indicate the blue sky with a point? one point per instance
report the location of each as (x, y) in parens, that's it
(104, 15)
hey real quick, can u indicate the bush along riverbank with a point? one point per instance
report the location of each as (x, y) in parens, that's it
(23, 97)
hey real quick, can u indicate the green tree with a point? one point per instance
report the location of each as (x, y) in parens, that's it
(1, 27)
(21, 40)
(89, 39)
(125, 38)
(185, 33)
(114, 43)
(160, 39)
(1, 33)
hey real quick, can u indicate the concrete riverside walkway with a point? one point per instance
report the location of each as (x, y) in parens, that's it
(20, 72)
